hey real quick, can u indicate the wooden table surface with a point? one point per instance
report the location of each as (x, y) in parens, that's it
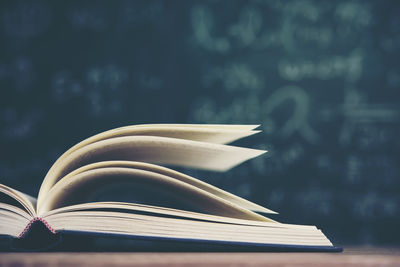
(364, 256)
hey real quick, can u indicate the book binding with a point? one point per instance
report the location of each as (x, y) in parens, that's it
(38, 235)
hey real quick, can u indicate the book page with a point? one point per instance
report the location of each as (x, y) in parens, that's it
(25, 201)
(13, 220)
(163, 211)
(175, 175)
(78, 189)
(152, 149)
(158, 226)
(211, 133)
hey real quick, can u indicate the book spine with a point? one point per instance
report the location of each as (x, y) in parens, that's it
(27, 228)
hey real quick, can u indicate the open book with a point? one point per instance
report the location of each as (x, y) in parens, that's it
(130, 155)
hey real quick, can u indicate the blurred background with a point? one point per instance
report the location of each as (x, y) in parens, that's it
(321, 77)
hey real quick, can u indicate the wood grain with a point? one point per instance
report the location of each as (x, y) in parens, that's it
(365, 256)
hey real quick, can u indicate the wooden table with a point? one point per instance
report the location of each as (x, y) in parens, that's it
(363, 256)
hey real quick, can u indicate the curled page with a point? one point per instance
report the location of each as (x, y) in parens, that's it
(152, 149)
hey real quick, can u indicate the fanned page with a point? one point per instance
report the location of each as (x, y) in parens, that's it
(174, 175)
(163, 212)
(77, 188)
(196, 146)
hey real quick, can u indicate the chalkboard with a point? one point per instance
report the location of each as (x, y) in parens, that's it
(321, 77)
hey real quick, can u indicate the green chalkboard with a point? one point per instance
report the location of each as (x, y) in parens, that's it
(321, 77)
